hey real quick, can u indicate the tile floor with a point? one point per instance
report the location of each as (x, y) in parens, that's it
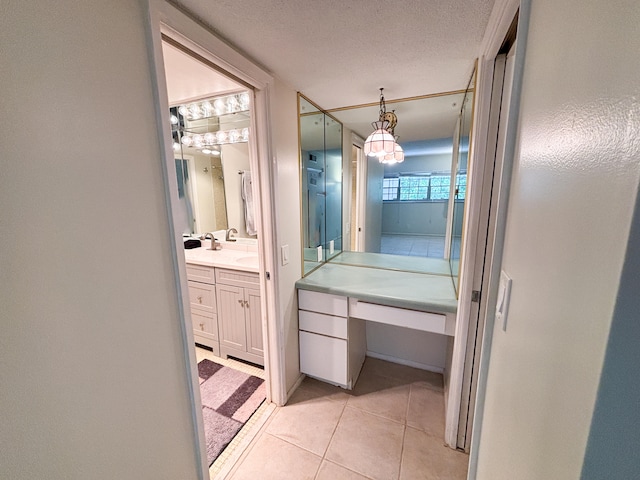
(413, 245)
(390, 427)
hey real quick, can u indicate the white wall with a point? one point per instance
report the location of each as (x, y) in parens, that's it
(284, 118)
(373, 213)
(235, 157)
(92, 369)
(402, 345)
(577, 145)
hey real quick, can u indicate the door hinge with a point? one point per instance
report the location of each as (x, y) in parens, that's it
(475, 296)
(268, 275)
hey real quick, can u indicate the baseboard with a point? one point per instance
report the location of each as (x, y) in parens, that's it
(295, 386)
(409, 363)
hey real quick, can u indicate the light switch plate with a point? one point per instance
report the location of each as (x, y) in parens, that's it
(502, 303)
(320, 253)
(285, 254)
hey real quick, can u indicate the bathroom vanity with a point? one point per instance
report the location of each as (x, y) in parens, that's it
(224, 295)
(337, 300)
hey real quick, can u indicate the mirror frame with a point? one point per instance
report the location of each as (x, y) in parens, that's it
(455, 276)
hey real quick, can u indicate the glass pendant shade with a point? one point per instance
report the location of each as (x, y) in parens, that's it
(380, 142)
(396, 157)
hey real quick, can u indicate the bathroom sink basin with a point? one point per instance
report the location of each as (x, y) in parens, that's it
(250, 260)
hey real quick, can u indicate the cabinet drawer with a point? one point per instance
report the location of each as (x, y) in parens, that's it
(324, 357)
(199, 273)
(237, 278)
(322, 303)
(402, 317)
(202, 297)
(205, 324)
(324, 324)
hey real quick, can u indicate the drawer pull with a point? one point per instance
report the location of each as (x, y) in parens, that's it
(202, 327)
(199, 298)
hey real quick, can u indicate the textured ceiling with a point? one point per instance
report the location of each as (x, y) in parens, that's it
(340, 53)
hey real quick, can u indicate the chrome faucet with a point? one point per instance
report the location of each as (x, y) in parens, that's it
(215, 244)
(229, 238)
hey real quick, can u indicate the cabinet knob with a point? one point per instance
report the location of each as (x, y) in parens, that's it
(240, 301)
(202, 327)
(246, 303)
(199, 298)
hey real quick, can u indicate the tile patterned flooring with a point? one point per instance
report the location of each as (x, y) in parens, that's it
(413, 245)
(390, 427)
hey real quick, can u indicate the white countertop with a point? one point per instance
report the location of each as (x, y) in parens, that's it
(234, 257)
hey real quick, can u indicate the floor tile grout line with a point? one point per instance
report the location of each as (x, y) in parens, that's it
(334, 430)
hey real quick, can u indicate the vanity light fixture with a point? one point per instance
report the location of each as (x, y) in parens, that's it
(381, 142)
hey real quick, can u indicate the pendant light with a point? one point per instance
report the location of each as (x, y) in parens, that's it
(381, 142)
(396, 157)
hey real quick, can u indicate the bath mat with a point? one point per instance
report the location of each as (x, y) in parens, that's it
(229, 398)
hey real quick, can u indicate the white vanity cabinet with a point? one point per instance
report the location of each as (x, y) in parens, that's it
(332, 345)
(202, 299)
(239, 311)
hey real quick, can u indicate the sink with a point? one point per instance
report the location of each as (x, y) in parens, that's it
(250, 260)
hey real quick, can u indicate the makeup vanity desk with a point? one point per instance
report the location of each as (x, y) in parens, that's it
(336, 300)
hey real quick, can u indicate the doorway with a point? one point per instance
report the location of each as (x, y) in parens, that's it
(256, 297)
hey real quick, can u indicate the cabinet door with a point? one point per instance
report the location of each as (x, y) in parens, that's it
(253, 314)
(231, 318)
(324, 358)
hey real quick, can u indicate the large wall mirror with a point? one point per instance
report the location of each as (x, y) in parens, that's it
(459, 178)
(210, 123)
(321, 184)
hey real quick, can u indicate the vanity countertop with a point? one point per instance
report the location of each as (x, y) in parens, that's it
(417, 291)
(237, 258)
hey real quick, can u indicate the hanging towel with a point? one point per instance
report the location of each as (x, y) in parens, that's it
(247, 197)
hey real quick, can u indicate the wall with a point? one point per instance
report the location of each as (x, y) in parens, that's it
(235, 157)
(92, 368)
(284, 122)
(417, 218)
(402, 345)
(373, 212)
(578, 135)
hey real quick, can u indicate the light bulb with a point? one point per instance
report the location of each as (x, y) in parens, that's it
(197, 140)
(206, 151)
(244, 100)
(234, 135)
(182, 110)
(245, 134)
(221, 137)
(174, 120)
(209, 138)
(218, 106)
(176, 146)
(215, 152)
(187, 140)
(207, 108)
(232, 104)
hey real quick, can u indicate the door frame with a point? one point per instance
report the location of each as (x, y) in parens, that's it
(166, 19)
(497, 32)
(497, 29)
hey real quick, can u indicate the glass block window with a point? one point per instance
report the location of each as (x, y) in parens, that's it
(390, 188)
(440, 187)
(421, 187)
(414, 188)
(461, 186)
